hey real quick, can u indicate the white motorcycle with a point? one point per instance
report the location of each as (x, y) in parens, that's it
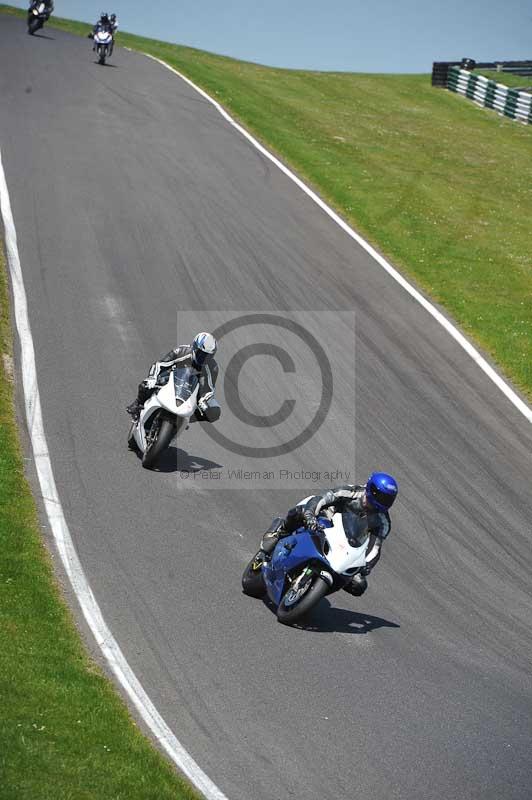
(103, 44)
(165, 414)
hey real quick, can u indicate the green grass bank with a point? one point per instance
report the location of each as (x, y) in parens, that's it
(440, 186)
(506, 78)
(64, 731)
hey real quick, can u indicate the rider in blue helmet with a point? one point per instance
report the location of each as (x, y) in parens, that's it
(371, 502)
(381, 491)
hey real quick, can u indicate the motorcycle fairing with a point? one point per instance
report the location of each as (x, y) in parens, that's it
(290, 553)
(342, 556)
(165, 399)
(293, 552)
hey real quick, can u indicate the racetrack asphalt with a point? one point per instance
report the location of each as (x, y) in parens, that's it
(134, 200)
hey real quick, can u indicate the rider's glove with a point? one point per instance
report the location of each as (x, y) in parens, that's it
(203, 405)
(310, 522)
(150, 383)
(365, 571)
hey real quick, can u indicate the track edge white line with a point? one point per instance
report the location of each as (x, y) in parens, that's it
(451, 329)
(62, 537)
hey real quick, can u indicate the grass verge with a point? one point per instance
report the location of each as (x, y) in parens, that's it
(440, 186)
(506, 78)
(64, 731)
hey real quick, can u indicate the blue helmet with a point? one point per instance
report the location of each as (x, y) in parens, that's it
(381, 490)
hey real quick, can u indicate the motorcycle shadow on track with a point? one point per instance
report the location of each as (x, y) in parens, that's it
(325, 618)
(173, 459)
(43, 36)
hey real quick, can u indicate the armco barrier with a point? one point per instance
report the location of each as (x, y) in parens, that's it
(440, 69)
(510, 102)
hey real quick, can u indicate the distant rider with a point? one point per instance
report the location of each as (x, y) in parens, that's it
(48, 6)
(370, 503)
(200, 356)
(103, 24)
(114, 26)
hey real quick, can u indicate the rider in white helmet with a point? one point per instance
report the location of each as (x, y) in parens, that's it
(200, 355)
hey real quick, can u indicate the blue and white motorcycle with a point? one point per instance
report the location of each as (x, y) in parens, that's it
(103, 44)
(306, 566)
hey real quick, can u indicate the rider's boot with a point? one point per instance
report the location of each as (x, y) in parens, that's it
(144, 393)
(269, 540)
(134, 409)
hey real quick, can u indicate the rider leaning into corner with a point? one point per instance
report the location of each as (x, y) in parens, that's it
(105, 23)
(200, 356)
(370, 502)
(49, 7)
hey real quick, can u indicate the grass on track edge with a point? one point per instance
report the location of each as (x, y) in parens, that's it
(64, 730)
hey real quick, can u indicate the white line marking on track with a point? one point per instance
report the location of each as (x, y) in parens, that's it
(91, 611)
(433, 311)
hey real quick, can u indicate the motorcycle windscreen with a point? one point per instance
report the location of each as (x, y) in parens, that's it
(186, 380)
(343, 554)
(355, 527)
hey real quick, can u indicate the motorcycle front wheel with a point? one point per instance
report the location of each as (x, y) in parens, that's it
(34, 26)
(252, 581)
(304, 593)
(159, 443)
(102, 53)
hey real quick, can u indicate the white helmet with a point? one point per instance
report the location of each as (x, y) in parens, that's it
(203, 347)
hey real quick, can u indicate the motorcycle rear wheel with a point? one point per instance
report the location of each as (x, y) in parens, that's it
(290, 612)
(161, 441)
(253, 581)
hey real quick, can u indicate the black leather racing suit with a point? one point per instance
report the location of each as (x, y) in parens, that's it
(180, 356)
(103, 25)
(342, 498)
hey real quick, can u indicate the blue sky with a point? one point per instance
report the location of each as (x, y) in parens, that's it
(385, 36)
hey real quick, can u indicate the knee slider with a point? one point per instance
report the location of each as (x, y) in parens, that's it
(357, 585)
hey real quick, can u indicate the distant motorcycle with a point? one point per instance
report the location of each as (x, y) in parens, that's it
(306, 566)
(38, 14)
(165, 414)
(103, 44)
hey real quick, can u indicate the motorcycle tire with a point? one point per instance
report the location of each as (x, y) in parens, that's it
(33, 26)
(253, 581)
(163, 439)
(291, 613)
(102, 54)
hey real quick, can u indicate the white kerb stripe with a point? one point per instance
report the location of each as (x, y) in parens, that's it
(61, 533)
(438, 316)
